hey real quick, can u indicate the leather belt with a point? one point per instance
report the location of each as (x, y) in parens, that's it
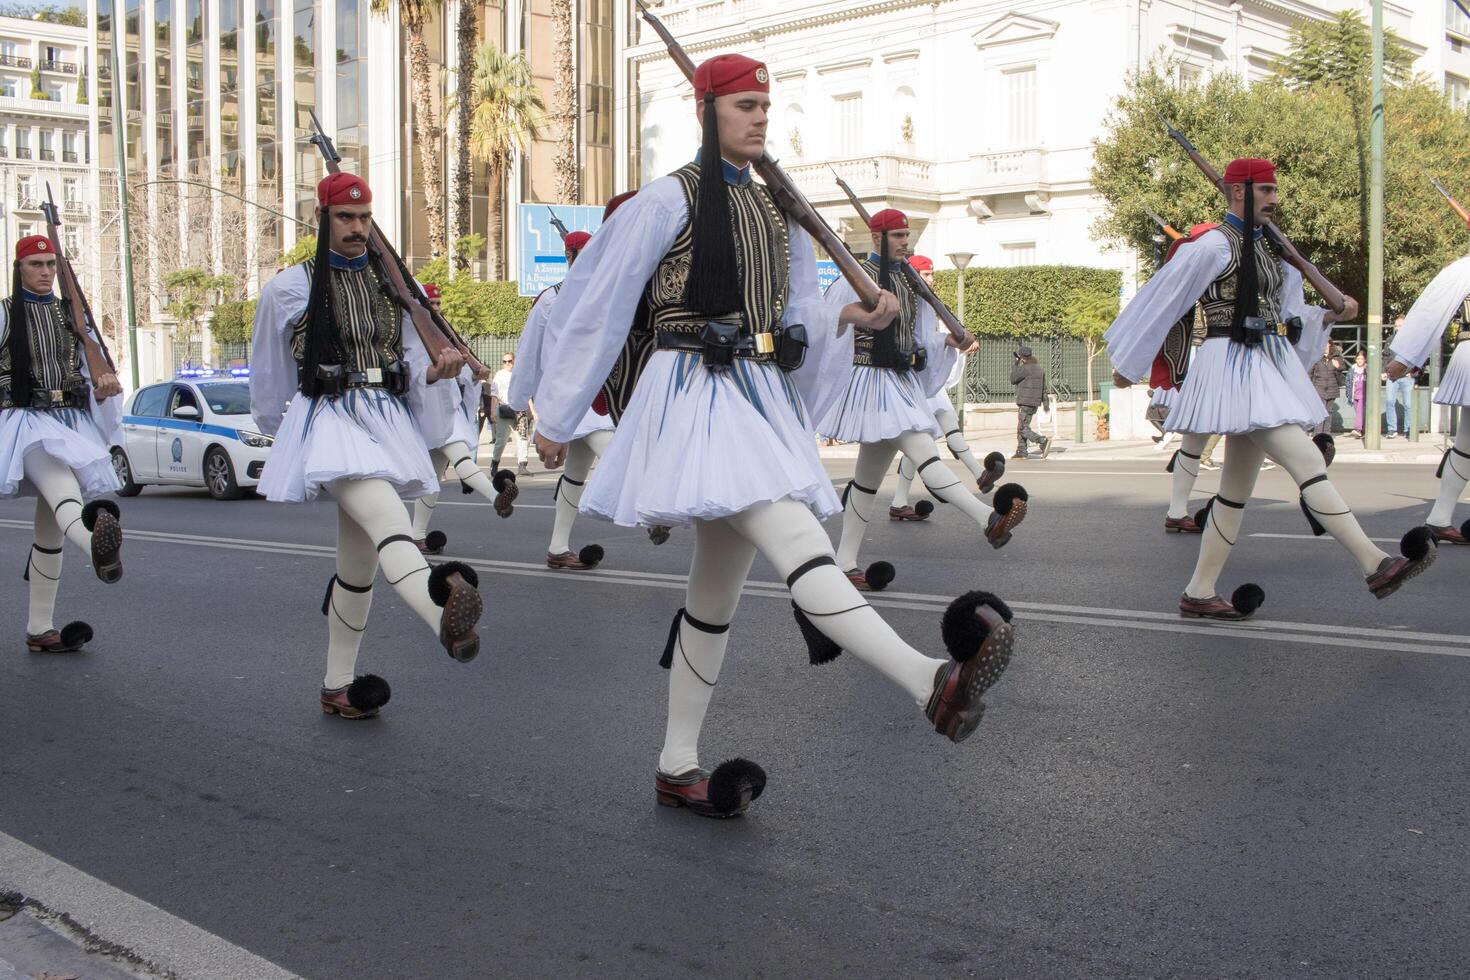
(1279, 330)
(693, 344)
(47, 398)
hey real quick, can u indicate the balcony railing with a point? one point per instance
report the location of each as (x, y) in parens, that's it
(27, 203)
(64, 67)
(880, 176)
(22, 152)
(4, 152)
(46, 154)
(14, 61)
(74, 207)
(69, 156)
(1011, 171)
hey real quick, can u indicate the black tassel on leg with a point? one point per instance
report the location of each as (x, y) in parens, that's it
(667, 660)
(1316, 525)
(820, 648)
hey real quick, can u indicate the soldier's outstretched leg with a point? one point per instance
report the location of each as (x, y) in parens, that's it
(944, 486)
(1220, 527)
(1454, 473)
(1184, 467)
(581, 454)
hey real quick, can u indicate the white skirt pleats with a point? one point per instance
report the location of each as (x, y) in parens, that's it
(941, 403)
(1454, 384)
(367, 434)
(466, 428)
(1233, 388)
(696, 444)
(591, 422)
(67, 435)
(879, 404)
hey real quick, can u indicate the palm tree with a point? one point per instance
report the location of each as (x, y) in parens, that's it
(466, 35)
(508, 115)
(427, 131)
(567, 177)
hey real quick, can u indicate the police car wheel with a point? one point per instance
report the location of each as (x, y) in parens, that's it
(124, 471)
(219, 476)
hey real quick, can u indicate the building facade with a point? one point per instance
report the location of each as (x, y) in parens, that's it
(977, 118)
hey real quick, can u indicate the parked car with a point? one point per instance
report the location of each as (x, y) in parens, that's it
(194, 431)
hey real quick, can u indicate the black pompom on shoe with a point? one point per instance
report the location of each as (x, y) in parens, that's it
(75, 635)
(1248, 598)
(1465, 530)
(1007, 495)
(439, 580)
(820, 648)
(923, 508)
(734, 785)
(96, 507)
(368, 692)
(1417, 542)
(880, 575)
(435, 541)
(591, 555)
(962, 630)
(502, 479)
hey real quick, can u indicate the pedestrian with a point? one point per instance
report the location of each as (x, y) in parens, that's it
(57, 424)
(1327, 377)
(1031, 394)
(1412, 346)
(366, 400)
(507, 419)
(1396, 391)
(1358, 391)
(1248, 381)
(717, 434)
(882, 402)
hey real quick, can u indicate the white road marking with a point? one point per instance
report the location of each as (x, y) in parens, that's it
(166, 941)
(1371, 639)
(1312, 537)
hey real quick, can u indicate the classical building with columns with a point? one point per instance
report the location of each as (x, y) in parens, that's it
(975, 117)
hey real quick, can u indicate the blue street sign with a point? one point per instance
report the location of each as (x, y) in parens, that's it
(827, 273)
(543, 262)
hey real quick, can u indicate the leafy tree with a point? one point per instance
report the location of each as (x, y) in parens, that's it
(473, 306)
(189, 294)
(304, 249)
(1088, 316)
(82, 87)
(233, 322)
(1339, 51)
(1028, 301)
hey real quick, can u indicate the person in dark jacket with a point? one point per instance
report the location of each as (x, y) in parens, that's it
(1327, 376)
(1030, 382)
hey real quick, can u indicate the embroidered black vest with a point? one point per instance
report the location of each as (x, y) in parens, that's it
(56, 363)
(369, 327)
(1217, 305)
(902, 329)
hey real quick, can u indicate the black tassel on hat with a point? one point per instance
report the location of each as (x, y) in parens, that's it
(18, 344)
(884, 341)
(713, 287)
(322, 346)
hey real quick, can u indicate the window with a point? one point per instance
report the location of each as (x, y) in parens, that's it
(847, 120)
(1457, 89)
(26, 229)
(25, 187)
(1455, 19)
(150, 401)
(1189, 75)
(8, 50)
(22, 143)
(48, 145)
(227, 397)
(183, 397)
(52, 90)
(72, 239)
(53, 54)
(69, 147)
(1019, 86)
(1018, 253)
(8, 87)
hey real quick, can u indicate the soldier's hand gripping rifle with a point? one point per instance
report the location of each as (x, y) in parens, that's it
(561, 229)
(435, 331)
(1464, 216)
(791, 200)
(99, 363)
(911, 275)
(1288, 251)
(1164, 226)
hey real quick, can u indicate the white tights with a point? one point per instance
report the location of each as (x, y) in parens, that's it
(872, 464)
(1456, 473)
(1186, 471)
(1291, 447)
(455, 455)
(581, 454)
(58, 518)
(790, 538)
(954, 439)
(372, 529)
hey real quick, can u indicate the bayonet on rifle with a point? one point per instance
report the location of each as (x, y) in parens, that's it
(556, 223)
(1465, 217)
(1164, 226)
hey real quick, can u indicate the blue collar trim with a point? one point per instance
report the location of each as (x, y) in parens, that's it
(31, 297)
(1239, 225)
(343, 262)
(877, 259)
(735, 176)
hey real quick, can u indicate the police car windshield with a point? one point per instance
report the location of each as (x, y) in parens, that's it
(227, 397)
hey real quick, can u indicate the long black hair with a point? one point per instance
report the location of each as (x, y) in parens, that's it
(18, 344)
(1247, 285)
(322, 346)
(713, 287)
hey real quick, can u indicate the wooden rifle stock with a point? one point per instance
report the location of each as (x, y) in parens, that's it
(99, 363)
(1464, 216)
(1288, 251)
(911, 275)
(433, 330)
(787, 196)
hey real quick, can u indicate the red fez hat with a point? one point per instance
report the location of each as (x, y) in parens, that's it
(343, 188)
(1250, 169)
(33, 245)
(576, 241)
(432, 291)
(922, 263)
(614, 203)
(726, 74)
(889, 219)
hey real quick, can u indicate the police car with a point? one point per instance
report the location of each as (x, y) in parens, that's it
(194, 431)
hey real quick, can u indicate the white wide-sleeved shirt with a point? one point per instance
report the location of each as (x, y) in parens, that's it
(1426, 320)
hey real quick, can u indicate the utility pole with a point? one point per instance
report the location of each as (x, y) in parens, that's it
(1373, 389)
(120, 150)
(961, 261)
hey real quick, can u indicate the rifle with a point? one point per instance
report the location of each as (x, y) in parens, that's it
(556, 223)
(99, 362)
(790, 200)
(911, 275)
(1464, 216)
(432, 328)
(1288, 251)
(1164, 226)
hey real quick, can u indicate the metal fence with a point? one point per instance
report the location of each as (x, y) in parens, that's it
(988, 371)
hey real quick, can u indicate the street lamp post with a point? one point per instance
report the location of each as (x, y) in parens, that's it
(960, 260)
(1373, 390)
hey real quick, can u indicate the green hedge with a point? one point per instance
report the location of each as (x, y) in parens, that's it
(478, 308)
(233, 322)
(1032, 299)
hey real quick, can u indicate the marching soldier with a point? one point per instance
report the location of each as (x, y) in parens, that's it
(57, 427)
(365, 401)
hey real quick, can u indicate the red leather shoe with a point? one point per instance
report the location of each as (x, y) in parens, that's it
(69, 639)
(363, 698)
(1213, 607)
(1181, 525)
(566, 560)
(107, 547)
(955, 707)
(859, 580)
(998, 531)
(1447, 534)
(1394, 572)
(905, 514)
(726, 792)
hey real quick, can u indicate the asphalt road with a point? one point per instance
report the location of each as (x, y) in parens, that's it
(1145, 798)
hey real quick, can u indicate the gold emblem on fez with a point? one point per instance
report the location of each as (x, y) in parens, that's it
(761, 76)
(355, 193)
